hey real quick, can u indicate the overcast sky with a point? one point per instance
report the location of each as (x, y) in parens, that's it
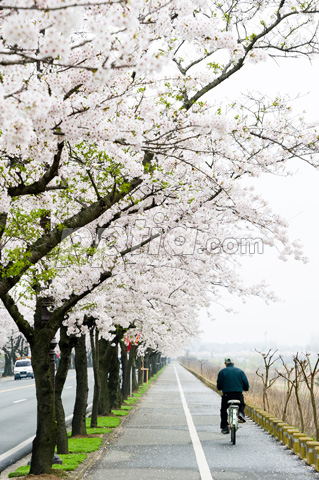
(294, 320)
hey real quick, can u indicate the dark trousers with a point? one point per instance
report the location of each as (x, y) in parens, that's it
(223, 411)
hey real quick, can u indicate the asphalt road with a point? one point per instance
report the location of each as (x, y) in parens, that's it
(18, 414)
(174, 434)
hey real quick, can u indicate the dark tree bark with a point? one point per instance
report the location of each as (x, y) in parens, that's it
(140, 372)
(66, 344)
(79, 412)
(94, 335)
(152, 363)
(146, 363)
(109, 369)
(45, 440)
(8, 367)
(127, 364)
(134, 367)
(105, 352)
(114, 379)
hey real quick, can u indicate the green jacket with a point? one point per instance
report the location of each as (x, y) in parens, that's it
(232, 379)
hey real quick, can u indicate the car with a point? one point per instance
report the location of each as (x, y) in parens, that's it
(23, 368)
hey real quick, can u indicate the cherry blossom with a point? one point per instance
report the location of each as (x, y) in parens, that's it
(122, 180)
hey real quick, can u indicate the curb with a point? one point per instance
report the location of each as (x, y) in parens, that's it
(109, 437)
(290, 437)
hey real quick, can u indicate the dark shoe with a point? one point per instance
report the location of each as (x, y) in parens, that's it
(225, 430)
(241, 418)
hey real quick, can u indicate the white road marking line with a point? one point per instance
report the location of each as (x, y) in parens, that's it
(67, 388)
(18, 401)
(204, 470)
(13, 450)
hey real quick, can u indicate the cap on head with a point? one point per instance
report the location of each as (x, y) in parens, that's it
(228, 360)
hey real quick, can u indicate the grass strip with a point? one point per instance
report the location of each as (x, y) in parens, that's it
(131, 400)
(70, 463)
(86, 445)
(120, 413)
(98, 430)
(108, 422)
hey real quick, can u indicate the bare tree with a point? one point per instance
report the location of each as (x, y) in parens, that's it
(309, 373)
(286, 375)
(268, 382)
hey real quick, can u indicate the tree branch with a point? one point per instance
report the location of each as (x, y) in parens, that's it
(39, 186)
(50, 240)
(21, 323)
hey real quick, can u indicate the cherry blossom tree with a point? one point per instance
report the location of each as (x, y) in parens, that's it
(107, 120)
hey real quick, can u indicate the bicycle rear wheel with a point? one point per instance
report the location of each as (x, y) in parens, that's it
(233, 435)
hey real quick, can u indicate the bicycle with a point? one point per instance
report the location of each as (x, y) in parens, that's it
(233, 419)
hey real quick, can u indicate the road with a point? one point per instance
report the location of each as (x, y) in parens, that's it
(174, 434)
(18, 413)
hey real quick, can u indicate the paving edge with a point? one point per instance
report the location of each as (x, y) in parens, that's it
(107, 439)
(297, 442)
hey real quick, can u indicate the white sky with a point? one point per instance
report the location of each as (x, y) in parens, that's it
(294, 320)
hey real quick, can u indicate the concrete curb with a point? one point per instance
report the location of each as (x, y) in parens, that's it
(107, 439)
(299, 443)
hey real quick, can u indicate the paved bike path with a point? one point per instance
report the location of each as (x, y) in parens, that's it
(159, 442)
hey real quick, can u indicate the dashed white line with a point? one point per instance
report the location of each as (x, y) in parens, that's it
(19, 401)
(204, 470)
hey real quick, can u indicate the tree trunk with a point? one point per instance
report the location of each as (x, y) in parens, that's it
(79, 412)
(105, 352)
(133, 352)
(125, 371)
(288, 396)
(153, 363)
(45, 440)
(314, 409)
(8, 370)
(127, 365)
(66, 344)
(114, 379)
(97, 386)
(146, 365)
(140, 372)
(302, 422)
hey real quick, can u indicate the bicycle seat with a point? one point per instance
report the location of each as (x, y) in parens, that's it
(233, 402)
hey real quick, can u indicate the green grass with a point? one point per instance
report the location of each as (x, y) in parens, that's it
(120, 413)
(93, 431)
(20, 471)
(126, 407)
(86, 445)
(143, 388)
(109, 422)
(70, 463)
(131, 400)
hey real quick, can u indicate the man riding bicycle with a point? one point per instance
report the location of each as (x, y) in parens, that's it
(232, 381)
